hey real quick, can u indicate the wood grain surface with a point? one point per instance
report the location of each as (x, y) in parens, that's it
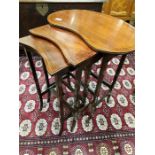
(101, 32)
(51, 55)
(71, 45)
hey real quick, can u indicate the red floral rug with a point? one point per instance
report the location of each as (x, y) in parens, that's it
(110, 132)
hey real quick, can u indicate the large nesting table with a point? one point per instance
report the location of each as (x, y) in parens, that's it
(102, 33)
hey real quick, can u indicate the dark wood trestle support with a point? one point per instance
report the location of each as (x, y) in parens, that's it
(57, 57)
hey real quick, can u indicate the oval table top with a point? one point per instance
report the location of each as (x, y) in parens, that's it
(48, 51)
(72, 47)
(103, 33)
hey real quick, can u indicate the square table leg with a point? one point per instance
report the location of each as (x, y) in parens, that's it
(58, 81)
(93, 104)
(116, 75)
(29, 56)
(46, 79)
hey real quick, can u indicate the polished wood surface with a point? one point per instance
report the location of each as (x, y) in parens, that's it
(51, 55)
(71, 46)
(101, 32)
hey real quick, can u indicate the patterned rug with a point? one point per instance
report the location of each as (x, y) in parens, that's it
(110, 132)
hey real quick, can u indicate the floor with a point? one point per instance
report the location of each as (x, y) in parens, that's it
(110, 132)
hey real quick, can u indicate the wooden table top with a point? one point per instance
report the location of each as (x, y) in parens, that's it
(51, 55)
(103, 33)
(72, 47)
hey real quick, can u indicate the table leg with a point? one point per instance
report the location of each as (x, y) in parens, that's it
(47, 80)
(29, 56)
(116, 75)
(87, 74)
(104, 63)
(58, 82)
(77, 86)
(77, 93)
